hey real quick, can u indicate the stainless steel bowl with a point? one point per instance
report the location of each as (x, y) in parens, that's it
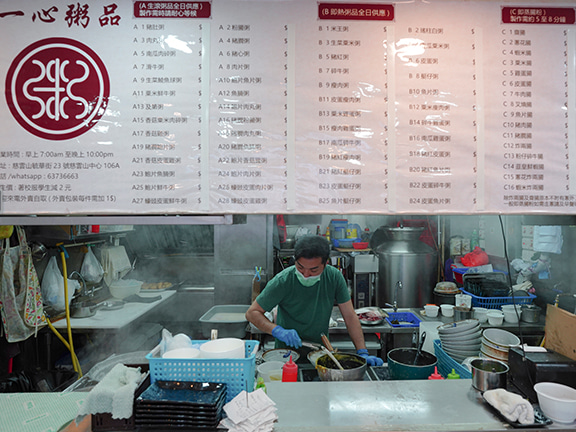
(354, 367)
(488, 374)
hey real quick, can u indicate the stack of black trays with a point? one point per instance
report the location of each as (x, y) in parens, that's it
(180, 405)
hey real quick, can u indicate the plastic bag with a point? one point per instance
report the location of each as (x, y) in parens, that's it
(475, 258)
(91, 269)
(53, 287)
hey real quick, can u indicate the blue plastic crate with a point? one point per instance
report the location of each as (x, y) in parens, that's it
(237, 373)
(496, 302)
(447, 363)
(405, 317)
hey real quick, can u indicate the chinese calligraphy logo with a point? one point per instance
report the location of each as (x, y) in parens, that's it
(57, 88)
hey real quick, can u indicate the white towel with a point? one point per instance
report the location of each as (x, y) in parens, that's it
(115, 263)
(114, 394)
(512, 406)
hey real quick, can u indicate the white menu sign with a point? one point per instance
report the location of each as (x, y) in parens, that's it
(260, 106)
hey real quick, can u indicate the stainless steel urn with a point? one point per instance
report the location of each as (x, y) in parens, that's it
(404, 258)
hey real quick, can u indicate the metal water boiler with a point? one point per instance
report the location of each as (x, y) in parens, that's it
(404, 258)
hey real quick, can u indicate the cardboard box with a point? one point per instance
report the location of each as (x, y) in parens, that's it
(559, 331)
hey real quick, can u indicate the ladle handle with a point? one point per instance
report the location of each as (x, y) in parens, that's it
(326, 342)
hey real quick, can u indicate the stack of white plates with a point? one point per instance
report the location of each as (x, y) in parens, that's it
(461, 339)
(496, 343)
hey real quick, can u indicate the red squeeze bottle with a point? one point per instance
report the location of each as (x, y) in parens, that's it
(290, 371)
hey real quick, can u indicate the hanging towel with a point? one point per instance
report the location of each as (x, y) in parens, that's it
(115, 263)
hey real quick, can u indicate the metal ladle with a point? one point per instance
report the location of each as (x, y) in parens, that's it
(419, 349)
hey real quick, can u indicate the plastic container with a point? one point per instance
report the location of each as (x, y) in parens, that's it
(557, 401)
(406, 319)
(225, 348)
(229, 320)
(290, 371)
(237, 374)
(495, 318)
(270, 371)
(446, 363)
(431, 310)
(338, 228)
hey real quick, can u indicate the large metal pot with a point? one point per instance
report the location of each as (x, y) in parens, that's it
(354, 367)
(402, 257)
(402, 365)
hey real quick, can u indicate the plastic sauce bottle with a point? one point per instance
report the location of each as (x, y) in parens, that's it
(435, 375)
(453, 375)
(290, 371)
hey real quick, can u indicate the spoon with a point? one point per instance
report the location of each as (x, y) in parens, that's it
(332, 357)
(419, 350)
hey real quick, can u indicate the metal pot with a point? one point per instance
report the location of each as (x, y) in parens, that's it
(530, 313)
(403, 257)
(488, 374)
(354, 367)
(401, 364)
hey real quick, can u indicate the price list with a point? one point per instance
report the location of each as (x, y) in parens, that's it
(529, 115)
(166, 115)
(342, 109)
(248, 112)
(436, 133)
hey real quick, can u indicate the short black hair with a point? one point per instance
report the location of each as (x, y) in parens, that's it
(312, 246)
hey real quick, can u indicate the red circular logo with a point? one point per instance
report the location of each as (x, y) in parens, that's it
(57, 88)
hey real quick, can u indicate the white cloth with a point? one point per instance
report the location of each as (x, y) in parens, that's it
(114, 394)
(512, 406)
(115, 263)
(548, 238)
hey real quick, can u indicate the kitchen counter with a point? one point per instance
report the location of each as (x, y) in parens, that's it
(447, 405)
(117, 319)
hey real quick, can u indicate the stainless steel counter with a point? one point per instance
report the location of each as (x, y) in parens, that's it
(447, 405)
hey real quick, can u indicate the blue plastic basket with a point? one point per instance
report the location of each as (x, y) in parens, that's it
(496, 302)
(237, 373)
(406, 317)
(447, 363)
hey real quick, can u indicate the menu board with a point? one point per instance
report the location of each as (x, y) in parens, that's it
(260, 106)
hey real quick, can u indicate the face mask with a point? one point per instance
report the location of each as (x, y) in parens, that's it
(307, 281)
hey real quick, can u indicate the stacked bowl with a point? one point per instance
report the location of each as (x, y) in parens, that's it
(461, 339)
(496, 343)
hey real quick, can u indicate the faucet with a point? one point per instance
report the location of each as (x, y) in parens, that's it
(83, 286)
(395, 303)
(557, 299)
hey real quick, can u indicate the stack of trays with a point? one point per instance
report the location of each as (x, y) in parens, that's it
(461, 339)
(496, 343)
(180, 405)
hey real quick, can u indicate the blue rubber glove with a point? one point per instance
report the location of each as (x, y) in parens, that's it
(289, 337)
(370, 360)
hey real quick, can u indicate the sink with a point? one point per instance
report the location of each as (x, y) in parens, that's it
(403, 319)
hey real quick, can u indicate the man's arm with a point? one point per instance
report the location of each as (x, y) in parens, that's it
(255, 314)
(352, 324)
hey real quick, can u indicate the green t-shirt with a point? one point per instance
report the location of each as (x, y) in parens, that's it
(304, 309)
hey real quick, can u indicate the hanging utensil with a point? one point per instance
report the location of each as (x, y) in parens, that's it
(419, 351)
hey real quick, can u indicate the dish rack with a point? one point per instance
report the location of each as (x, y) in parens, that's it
(237, 373)
(480, 285)
(447, 363)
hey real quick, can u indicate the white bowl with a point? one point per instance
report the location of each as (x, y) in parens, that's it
(495, 318)
(182, 353)
(123, 288)
(223, 348)
(270, 371)
(447, 310)
(510, 316)
(557, 401)
(431, 310)
(459, 326)
(481, 314)
(476, 336)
